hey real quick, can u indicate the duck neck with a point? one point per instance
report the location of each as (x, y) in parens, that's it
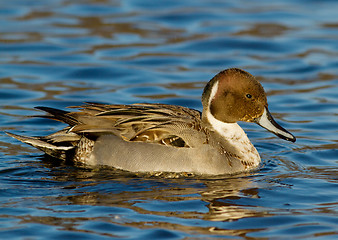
(234, 139)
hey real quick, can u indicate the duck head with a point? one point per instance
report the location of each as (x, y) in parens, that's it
(235, 95)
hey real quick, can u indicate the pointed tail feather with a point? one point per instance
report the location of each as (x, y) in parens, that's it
(50, 149)
(59, 115)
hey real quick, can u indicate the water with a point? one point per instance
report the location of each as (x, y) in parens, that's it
(58, 53)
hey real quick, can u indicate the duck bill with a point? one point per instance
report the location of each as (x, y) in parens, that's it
(266, 121)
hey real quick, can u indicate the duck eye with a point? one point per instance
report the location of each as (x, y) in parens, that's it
(249, 95)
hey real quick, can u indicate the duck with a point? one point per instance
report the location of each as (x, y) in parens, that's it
(155, 137)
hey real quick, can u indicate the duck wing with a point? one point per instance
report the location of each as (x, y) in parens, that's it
(163, 124)
(153, 123)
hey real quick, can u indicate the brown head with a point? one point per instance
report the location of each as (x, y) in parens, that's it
(235, 95)
(239, 96)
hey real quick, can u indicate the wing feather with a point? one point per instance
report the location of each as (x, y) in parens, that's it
(153, 123)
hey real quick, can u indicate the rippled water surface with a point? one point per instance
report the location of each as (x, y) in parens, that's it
(59, 52)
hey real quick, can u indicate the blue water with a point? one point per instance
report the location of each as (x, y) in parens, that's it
(58, 53)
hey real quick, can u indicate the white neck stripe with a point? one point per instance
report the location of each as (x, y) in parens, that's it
(214, 90)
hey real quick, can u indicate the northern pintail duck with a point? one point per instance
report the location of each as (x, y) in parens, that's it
(147, 137)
